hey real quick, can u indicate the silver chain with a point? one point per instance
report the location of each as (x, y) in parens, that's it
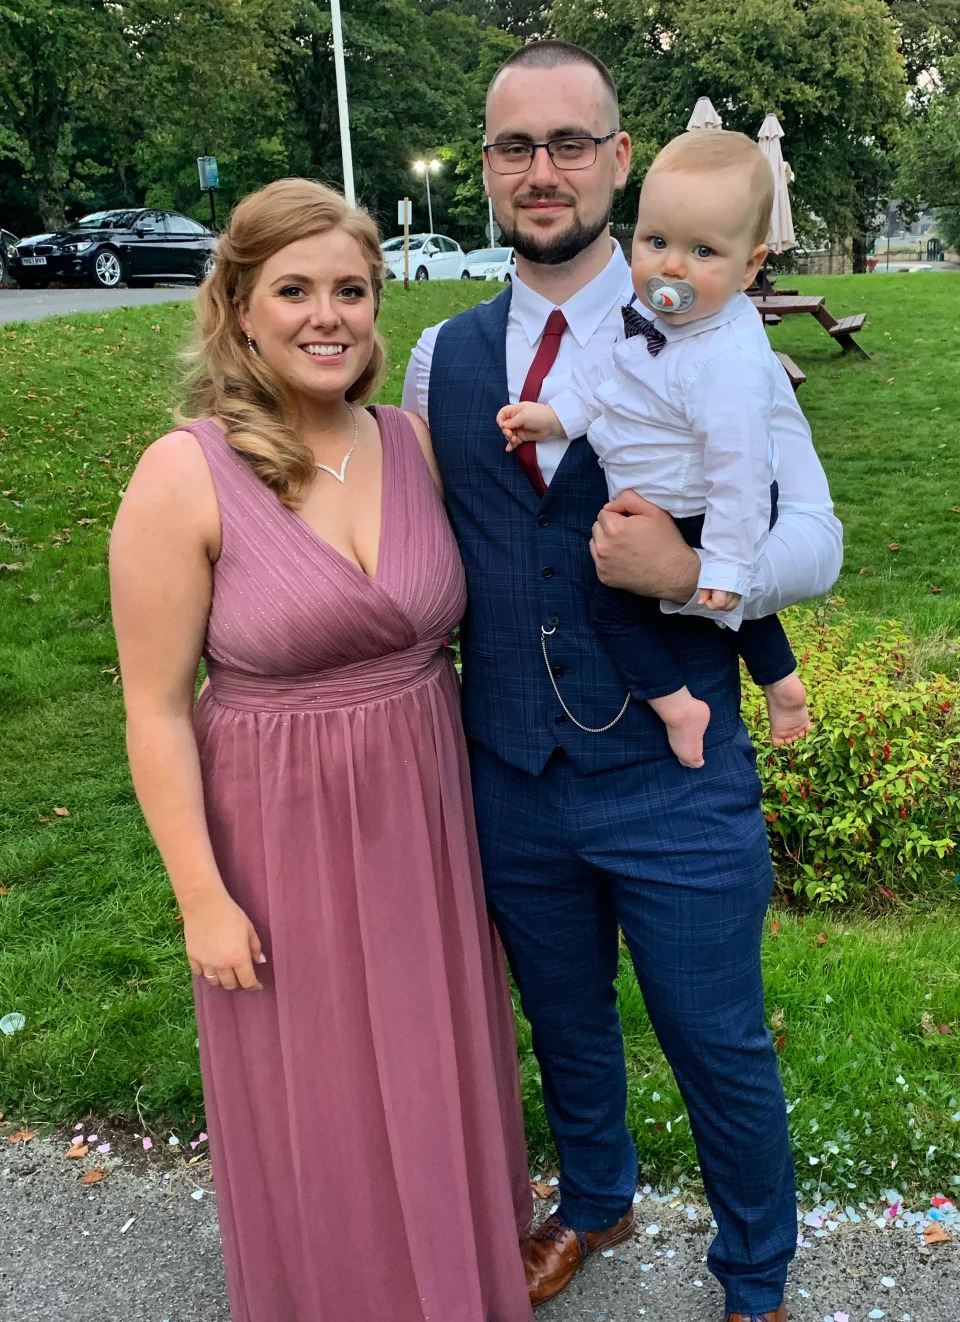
(588, 729)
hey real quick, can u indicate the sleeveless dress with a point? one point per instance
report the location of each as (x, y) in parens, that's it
(364, 1108)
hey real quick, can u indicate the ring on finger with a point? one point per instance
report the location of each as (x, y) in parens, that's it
(211, 977)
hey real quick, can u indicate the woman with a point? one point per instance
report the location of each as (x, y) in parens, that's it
(313, 811)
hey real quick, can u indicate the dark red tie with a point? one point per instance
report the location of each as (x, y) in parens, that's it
(544, 359)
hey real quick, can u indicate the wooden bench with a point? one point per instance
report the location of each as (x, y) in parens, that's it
(845, 329)
(796, 374)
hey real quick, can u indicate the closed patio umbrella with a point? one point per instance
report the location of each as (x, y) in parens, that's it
(704, 116)
(780, 236)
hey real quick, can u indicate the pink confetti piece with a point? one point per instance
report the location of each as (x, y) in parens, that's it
(147, 1144)
(201, 1137)
(103, 1147)
(77, 1128)
(841, 1317)
(194, 1142)
(92, 1138)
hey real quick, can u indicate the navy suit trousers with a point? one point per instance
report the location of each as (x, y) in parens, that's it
(678, 860)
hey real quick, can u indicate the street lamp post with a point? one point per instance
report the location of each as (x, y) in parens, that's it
(426, 168)
(342, 107)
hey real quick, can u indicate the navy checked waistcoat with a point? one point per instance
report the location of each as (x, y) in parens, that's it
(528, 563)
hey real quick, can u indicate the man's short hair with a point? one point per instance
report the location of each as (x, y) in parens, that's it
(720, 149)
(553, 55)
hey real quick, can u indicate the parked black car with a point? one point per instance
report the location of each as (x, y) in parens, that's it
(107, 248)
(7, 241)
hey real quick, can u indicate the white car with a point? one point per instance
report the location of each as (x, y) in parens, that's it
(432, 257)
(489, 264)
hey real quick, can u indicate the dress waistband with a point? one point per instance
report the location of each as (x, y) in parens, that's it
(326, 690)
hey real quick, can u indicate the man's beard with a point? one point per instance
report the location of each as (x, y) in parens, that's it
(557, 248)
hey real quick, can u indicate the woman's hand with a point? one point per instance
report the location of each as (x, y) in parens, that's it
(222, 946)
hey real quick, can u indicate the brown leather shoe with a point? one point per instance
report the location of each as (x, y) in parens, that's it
(554, 1254)
(778, 1315)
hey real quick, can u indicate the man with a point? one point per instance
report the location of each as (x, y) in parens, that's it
(587, 823)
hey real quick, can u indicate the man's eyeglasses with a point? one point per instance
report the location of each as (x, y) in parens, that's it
(566, 153)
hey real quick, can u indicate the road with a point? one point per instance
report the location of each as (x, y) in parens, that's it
(35, 304)
(143, 1246)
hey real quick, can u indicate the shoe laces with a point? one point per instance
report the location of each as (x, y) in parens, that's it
(555, 1229)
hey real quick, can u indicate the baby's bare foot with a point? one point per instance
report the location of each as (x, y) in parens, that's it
(787, 708)
(686, 719)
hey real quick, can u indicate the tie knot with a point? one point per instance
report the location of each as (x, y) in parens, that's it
(556, 323)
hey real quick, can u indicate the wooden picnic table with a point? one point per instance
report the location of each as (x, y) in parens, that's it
(773, 308)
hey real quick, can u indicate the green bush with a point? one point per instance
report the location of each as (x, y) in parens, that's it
(872, 792)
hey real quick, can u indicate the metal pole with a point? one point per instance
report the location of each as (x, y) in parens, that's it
(490, 213)
(213, 210)
(426, 175)
(406, 243)
(348, 189)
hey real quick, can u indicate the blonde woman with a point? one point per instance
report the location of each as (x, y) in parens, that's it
(313, 809)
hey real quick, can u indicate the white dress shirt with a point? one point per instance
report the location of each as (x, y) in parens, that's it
(694, 429)
(802, 554)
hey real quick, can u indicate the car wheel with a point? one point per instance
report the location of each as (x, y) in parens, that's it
(422, 273)
(507, 279)
(107, 269)
(464, 275)
(206, 268)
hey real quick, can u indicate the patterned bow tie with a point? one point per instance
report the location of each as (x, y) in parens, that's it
(635, 324)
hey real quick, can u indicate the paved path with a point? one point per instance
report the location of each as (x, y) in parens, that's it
(35, 304)
(139, 1247)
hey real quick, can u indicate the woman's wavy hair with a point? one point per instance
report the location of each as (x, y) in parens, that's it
(229, 382)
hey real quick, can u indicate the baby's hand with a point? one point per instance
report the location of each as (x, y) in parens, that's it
(718, 600)
(528, 421)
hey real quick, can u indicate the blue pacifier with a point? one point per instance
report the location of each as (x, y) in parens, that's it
(670, 297)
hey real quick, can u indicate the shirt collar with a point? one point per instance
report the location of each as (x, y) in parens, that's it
(584, 310)
(735, 307)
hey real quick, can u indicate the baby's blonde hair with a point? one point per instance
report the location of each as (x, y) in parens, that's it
(719, 149)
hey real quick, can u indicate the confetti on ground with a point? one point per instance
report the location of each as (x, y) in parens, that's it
(887, 1282)
(103, 1147)
(876, 1313)
(147, 1144)
(92, 1138)
(77, 1128)
(127, 1224)
(198, 1194)
(173, 1141)
(653, 1229)
(606, 1253)
(12, 1023)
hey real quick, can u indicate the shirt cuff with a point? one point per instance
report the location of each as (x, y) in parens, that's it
(570, 411)
(724, 576)
(731, 619)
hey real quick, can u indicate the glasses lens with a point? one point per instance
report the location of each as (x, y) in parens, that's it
(573, 153)
(509, 157)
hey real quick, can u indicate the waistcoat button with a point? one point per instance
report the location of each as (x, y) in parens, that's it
(559, 720)
(543, 520)
(553, 621)
(546, 573)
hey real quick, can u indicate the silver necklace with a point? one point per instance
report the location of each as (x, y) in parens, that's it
(346, 458)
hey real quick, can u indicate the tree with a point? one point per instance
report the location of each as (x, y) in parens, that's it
(929, 32)
(829, 69)
(56, 59)
(930, 160)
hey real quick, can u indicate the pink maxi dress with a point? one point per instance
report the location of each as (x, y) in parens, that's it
(364, 1108)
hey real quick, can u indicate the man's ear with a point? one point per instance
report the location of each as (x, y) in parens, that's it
(624, 149)
(754, 262)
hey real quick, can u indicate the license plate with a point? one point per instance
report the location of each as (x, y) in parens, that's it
(33, 261)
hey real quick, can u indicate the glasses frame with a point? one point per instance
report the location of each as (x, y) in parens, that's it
(548, 146)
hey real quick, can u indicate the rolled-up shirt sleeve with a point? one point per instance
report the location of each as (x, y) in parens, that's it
(803, 552)
(416, 382)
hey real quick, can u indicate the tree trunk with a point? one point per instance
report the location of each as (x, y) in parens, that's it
(858, 245)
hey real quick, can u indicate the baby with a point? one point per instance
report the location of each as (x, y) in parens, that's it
(688, 417)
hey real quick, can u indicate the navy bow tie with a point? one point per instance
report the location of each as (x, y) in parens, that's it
(635, 324)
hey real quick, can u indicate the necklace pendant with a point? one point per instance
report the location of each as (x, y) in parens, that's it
(343, 468)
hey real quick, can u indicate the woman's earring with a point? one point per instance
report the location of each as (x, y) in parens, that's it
(252, 346)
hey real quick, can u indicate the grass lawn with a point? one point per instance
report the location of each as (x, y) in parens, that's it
(89, 943)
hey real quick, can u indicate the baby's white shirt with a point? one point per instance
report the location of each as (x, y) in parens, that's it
(694, 430)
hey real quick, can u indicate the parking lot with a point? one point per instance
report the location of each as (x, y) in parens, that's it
(35, 304)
